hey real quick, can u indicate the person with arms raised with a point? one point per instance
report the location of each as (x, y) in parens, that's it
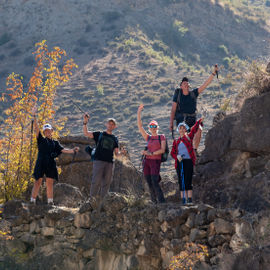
(184, 105)
(156, 145)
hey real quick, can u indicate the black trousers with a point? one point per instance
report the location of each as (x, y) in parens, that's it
(154, 188)
(188, 174)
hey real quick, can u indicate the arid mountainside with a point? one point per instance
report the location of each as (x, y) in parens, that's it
(132, 52)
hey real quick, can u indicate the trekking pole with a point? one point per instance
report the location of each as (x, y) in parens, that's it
(219, 87)
(31, 142)
(183, 181)
(76, 105)
(172, 134)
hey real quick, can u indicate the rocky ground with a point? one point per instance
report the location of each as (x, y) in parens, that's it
(129, 234)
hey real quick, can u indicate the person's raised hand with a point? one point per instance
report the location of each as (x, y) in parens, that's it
(216, 69)
(76, 149)
(140, 108)
(86, 117)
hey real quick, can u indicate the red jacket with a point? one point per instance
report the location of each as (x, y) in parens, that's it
(188, 143)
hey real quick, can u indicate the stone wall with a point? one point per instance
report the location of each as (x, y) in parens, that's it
(121, 234)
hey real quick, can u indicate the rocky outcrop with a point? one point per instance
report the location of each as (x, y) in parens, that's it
(77, 170)
(233, 170)
(122, 234)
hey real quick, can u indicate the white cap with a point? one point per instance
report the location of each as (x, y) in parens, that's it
(47, 126)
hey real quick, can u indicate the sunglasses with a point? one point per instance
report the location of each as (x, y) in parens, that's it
(153, 126)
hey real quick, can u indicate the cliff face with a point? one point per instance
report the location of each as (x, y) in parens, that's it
(234, 169)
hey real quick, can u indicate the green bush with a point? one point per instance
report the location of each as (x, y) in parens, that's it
(111, 16)
(100, 89)
(223, 50)
(5, 38)
(179, 26)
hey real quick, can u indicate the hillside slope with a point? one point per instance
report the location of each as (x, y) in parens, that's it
(132, 52)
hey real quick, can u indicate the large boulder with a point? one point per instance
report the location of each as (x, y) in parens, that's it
(67, 195)
(233, 170)
(77, 170)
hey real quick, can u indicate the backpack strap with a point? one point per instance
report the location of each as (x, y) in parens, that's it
(178, 98)
(99, 138)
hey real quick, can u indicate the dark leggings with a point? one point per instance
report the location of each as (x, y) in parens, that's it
(188, 174)
(154, 188)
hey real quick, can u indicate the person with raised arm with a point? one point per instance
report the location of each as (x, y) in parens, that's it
(106, 147)
(48, 150)
(184, 105)
(185, 158)
(156, 145)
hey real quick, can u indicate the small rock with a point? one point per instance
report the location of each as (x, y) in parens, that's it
(216, 240)
(197, 234)
(211, 215)
(142, 250)
(82, 220)
(190, 220)
(28, 239)
(164, 226)
(222, 226)
(47, 231)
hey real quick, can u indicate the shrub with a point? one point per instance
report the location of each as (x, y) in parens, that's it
(100, 89)
(17, 147)
(179, 26)
(83, 42)
(223, 50)
(5, 38)
(111, 16)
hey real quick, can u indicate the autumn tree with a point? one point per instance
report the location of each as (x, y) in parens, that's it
(18, 146)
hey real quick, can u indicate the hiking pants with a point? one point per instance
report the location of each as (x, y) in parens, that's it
(101, 178)
(154, 188)
(188, 173)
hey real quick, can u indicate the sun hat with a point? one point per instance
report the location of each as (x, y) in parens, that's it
(47, 126)
(154, 123)
(182, 124)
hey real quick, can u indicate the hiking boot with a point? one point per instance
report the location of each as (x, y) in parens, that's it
(183, 201)
(189, 201)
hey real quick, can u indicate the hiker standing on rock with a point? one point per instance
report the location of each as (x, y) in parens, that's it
(48, 150)
(184, 156)
(107, 146)
(156, 145)
(185, 103)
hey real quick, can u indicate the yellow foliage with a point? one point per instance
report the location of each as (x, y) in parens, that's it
(187, 258)
(18, 146)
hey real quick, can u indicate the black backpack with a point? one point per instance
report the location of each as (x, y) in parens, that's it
(90, 150)
(180, 93)
(164, 156)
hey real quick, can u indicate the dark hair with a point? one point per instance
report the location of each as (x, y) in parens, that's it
(185, 79)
